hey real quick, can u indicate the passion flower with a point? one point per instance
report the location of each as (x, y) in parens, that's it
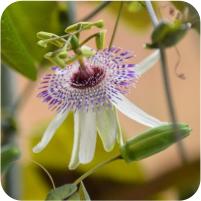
(92, 90)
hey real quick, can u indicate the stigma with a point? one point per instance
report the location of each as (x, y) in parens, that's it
(87, 77)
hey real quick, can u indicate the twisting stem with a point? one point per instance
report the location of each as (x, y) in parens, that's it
(91, 171)
(89, 38)
(97, 10)
(167, 88)
(46, 171)
(116, 24)
(180, 75)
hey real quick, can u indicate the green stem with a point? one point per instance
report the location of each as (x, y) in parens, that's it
(96, 11)
(91, 171)
(46, 171)
(87, 39)
(116, 24)
(56, 38)
(152, 13)
(166, 82)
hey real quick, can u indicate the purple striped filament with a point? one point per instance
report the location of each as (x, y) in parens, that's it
(104, 76)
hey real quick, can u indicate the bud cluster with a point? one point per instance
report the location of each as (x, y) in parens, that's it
(71, 42)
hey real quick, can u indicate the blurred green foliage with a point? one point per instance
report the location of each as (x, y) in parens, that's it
(189, 14)
(9, 154)
(19, 24)
(134, 15)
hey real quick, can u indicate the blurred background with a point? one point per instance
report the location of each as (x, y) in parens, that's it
(24, 117)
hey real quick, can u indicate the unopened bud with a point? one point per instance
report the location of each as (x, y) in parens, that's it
(44, 35)
(99, 24)
(87, 51)
(74, 42)
(55, 59)
(168, 34)
(42, 43)
(153, 141)
(100, 40)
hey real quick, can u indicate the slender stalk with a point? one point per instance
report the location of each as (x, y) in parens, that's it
(116, 24)
(96, 11)
(46, 171)
(166, 82)
(91, 171)
(152, 13)
(121, 139)
(172, 112)
(87, 39)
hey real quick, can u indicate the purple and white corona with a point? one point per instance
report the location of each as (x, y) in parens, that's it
(92, 90)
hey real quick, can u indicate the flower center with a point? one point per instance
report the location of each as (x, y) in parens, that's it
(87, 77)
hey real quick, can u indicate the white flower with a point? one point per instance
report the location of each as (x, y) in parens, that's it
(93, 92)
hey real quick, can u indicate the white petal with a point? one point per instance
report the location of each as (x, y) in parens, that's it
(88, 136)
(147, 63)
(120, 137)
(74, 162)
(132, 111)
(50, 131)
(107, 127)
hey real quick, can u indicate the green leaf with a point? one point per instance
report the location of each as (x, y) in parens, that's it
(168, 34)
(75, 196)
(9, 154)
(152, 141)
(61, 192)
(81, 194)
(19, 24)
(14, 52)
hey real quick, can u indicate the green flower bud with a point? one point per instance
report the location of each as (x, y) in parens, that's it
(44, 35)
(168, 34)
(49, 38)
(152, 141)
(83, 26)
(100, 40)
(42, 43)
(99, 24)
(78, 26)
(86, 51)
(74, 42)
(54, 58)
(62, 54)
